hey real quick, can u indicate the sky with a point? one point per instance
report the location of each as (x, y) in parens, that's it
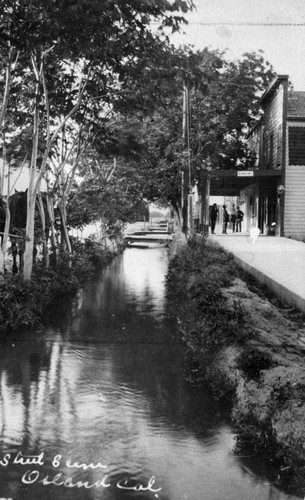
(275, 26)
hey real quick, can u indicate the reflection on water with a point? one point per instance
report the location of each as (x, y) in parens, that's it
(102, 403)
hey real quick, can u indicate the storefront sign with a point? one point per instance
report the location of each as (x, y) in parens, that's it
(245, 173)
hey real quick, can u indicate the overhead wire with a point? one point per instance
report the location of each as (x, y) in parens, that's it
(232, 23)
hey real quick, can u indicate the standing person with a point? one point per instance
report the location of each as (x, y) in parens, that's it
(213, 217)
(239, 219)
(225, 219)
(233, 217)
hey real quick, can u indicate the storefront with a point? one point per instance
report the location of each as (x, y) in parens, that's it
(256, 192)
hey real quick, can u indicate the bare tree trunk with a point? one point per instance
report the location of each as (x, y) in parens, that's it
(2, 264)
(31, 195)
(35, 182)
(51, 215)
(63, 217)
(6, 229)
(29, 242)
(44, 236)
(5, 201)
(3, 108)
(4, 239)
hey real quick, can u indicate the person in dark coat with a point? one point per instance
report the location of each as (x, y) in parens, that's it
(213, 217)
(239, 219)
(225, 219)
(233, 217)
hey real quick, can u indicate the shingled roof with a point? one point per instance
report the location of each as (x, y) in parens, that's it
(296, 105)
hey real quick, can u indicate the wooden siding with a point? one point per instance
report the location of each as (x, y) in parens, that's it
(294, 219)
(273, 119)
(255, 144)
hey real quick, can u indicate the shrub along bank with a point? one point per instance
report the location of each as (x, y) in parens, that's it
(23, 303)
(248, 347)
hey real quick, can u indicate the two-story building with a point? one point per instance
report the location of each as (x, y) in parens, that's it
(273, 192)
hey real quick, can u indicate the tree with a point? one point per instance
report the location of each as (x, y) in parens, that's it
(71, 52)
(108, 192)
(224, 98)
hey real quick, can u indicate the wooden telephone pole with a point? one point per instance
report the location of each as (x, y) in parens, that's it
(186, 182)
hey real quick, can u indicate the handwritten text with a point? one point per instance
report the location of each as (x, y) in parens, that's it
(35, 476)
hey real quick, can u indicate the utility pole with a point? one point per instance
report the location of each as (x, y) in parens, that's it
(205, 201)
(186, 184)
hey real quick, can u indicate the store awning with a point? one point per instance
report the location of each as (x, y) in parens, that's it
(231, 182)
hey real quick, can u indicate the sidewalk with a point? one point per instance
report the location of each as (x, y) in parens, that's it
(277, 262)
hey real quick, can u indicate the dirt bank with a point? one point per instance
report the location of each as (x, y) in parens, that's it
(248, 347)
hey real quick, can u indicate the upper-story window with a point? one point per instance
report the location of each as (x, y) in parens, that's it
(296, 145)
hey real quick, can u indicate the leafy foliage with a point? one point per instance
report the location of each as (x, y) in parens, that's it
(23, 303)
(194, 283)
(65, 66)
(224, 100)
(107, 192)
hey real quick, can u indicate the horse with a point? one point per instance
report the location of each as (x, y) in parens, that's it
(18, 213)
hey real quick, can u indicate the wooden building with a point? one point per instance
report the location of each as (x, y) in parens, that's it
(273, 192)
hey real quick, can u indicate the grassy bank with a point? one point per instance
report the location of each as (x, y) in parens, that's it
(247, 348)
(23, 304)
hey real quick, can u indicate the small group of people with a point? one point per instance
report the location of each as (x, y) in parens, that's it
(236, 218)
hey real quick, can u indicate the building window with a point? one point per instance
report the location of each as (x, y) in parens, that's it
(296, 145)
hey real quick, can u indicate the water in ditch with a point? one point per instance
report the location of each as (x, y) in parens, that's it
(97, 407)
